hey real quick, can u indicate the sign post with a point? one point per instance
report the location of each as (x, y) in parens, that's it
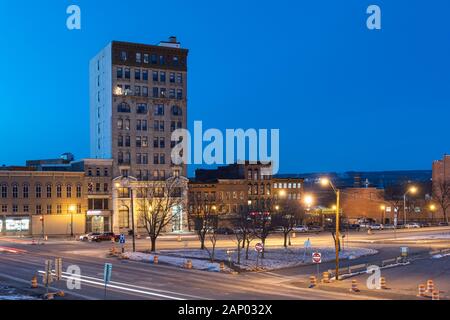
(58, 269)
(48, 277)
(317, 259)
(122, 242)
(107, 275)
(259, 247)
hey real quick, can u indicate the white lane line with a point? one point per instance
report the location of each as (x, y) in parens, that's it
(101, 283)
(140, 287)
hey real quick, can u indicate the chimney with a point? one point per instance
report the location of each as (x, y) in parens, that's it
(173, 39)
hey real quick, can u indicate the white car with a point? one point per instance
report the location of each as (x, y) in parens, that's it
(376, 226)
(300, 229)
(413, 225)
(89, 236)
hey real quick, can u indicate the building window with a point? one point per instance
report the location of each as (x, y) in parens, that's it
(138, 57)
(59, 191)
(49, 191)
(26, 208)
(154, 59)
(105, 187)
(138, 142)
(145, 91)
(127, 141)
(25, 191)
(120, 124)
(119, 73)
(155, 92)
(159, 110)
(120, 141)
(123, 218)
(123, 56)
(162, 158)
(142, 108)
(179, 94)
(172, 93)
(58, 209)
(127, 124)
(4, 191)
(137, 90)
(15, 208)
(15, 191)
(137, 74)
(172, 77)
(163, 92)
(145, 57)
(176, 111)
(145, 75)
(105, 172)
(162, 142)
(144, 142)
(124, 107)
(156, 158)
(127, 73)
(179, 78)
(38, 209)
(4, 208)
(79, 191)
(162, 76)
(38, 191)
(49, 209)
(69, 191)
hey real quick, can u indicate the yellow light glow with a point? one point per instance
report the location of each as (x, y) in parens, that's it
(277, 208)
(383, 207)
(72, 208)
(308, 200)
(413, 190)
(334, 207)
(214, 208)
(432, 207)
(117, 185)
(324, 181)
(282, 193)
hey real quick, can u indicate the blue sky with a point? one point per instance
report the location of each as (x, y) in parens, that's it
(343, 97)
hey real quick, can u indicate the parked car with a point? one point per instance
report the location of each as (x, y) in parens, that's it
(105, 236)
(315, 228)
(278, 229)
(443, 224)
(413, 225)
(225, 231)
(300, 229)
(388, 226)
(88, 236)
(376, 226)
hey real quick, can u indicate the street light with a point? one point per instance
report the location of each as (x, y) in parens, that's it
(125, 184)
(72, 209)
(432, 210)
(327, 182)
(412, 190)
(308, 200)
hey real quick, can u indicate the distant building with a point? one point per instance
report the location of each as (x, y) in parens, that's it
(138, 97)
(47, 195)
(441, 185)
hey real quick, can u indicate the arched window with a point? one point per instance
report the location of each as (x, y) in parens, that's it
(59, 191)
(69, 191)
(78, 190)
(124, 221)
(15, 191)
(26, 189)
(177, 111)
(38, 191)
(4, 190)
(49, 190)
(123, 107)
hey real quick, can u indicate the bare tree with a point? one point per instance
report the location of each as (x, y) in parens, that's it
(212, 226)
(441, 195)
(160, 202)
(289, 213)
(243, 232)
(394, 196)
(261, 218)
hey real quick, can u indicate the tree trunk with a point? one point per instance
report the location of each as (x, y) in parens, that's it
(285, 239)
(246, 249)
(202, 241)
(264, 247)
(239, 253)
(244, 238)
(153, 240)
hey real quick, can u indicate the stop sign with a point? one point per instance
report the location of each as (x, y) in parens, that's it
(317, 257)
(259, 247)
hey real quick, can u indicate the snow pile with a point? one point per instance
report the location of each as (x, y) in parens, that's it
(275, 258)
(175, 261)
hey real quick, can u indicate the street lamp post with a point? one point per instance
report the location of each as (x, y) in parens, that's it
(412, 190)
(432, 210)
(124, 183)
(325, 182)
(383, 213)
(71, 209)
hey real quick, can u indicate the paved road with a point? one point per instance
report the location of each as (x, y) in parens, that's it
(135, 280)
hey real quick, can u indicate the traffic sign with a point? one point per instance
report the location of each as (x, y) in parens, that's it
(404, 251)
(107, 273)
(317, 257)
(259, 247)
(122, 239)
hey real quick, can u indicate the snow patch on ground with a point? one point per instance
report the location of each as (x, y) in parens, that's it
(7, 293)
(438, 236)
(175, 261)
(275, 258)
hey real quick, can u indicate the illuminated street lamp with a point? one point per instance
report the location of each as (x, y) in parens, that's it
(327, 182)
(308, 200)
(412, 190)
(432, 209)
(72, 209)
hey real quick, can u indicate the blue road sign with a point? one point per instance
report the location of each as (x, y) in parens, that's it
(107, 273)
(122, 239)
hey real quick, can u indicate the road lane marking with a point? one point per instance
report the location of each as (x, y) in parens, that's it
(100, 283)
